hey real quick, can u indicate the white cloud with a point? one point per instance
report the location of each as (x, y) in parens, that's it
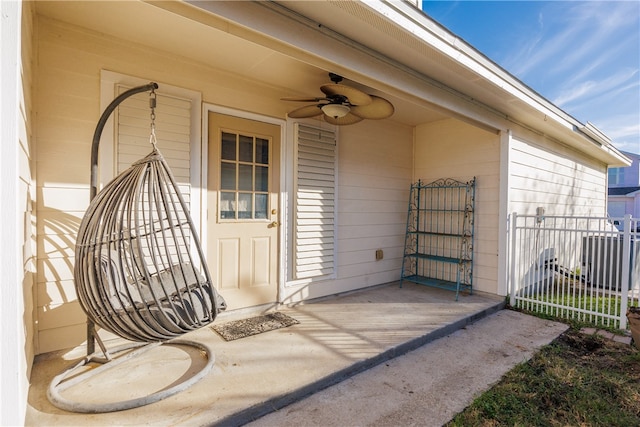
(585, 57)
(572, 34)
(581, 91)
(576, 92)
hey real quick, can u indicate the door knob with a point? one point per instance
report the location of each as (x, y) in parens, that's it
(274, 224)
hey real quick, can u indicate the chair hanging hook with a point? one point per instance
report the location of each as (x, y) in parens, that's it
(152, 106)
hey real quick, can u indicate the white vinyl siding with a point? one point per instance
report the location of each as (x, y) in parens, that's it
(314, 228)
(559, 179)
(173, 133)
(17, 219)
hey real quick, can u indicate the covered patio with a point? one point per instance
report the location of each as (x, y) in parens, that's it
(232, 68)
(337, 337)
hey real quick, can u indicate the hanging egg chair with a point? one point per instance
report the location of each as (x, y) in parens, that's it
(140, 271)
(138, 259)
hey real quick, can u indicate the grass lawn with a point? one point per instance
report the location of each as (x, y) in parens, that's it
(577, 380)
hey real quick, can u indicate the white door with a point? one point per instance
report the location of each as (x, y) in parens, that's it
(243, 217)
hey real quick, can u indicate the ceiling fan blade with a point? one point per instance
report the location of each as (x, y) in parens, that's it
(379, 108)
(349, 119)
(306, 111)
(294, 99)
(355, 96)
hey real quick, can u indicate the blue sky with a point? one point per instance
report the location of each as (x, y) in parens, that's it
(584, 56)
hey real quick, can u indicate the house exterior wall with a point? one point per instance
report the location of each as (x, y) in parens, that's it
(559, 179)
(16, 216)
(373, 178)
(453, 149)
(374, 168)
(377, 161)
(564, 182)
(374, 175)
(627, 176)
(619, 206)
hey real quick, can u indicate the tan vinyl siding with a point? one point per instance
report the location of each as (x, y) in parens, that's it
(374, 175)
(453, 149)
(17, 212)
(27, 182)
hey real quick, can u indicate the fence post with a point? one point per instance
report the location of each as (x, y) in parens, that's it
(626, 270)
(512, 259)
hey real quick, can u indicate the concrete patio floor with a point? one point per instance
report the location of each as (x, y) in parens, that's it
(337, 337)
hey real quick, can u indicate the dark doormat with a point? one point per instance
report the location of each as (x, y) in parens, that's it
(255, 325)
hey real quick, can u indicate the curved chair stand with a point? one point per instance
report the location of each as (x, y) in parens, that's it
(73, 376)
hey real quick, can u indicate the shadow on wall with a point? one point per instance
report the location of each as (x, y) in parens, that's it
(60, 321)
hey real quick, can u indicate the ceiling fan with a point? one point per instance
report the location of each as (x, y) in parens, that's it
(343, 105)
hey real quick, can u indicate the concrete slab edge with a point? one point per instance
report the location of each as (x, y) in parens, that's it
(274, 404)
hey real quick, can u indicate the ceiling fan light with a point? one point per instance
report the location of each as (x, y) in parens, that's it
(335, 110)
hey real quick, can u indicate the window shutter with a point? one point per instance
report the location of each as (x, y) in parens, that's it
(314, 228)
(173, 131)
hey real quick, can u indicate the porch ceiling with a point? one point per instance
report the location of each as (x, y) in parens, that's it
(206, 39)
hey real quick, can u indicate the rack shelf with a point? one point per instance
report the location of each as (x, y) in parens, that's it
(439, 237)
(439, 258)
(433, 233)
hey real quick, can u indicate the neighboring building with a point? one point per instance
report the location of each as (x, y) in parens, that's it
(223, 69)
(624, 190)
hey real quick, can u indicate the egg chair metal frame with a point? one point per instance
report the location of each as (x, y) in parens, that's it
(140, 271)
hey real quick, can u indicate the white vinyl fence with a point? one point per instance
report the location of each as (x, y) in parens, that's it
(579, 268)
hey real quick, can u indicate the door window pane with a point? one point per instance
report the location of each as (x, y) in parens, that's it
(246, 148)
(245, 207)
(228, 146)
(261, 206)
(262, 178)
(227, 205)
(262, 151)
(245, 178)
(228, 176)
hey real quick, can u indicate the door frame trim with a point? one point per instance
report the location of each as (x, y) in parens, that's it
(204, 150)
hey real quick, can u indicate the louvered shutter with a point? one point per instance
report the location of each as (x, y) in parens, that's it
(314, 229)
(173, 131)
